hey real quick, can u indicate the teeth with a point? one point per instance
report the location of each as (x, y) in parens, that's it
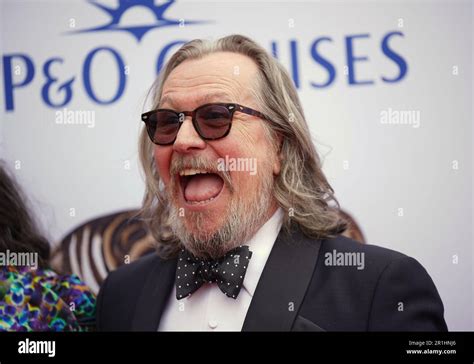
(200, 202)
(192, 172)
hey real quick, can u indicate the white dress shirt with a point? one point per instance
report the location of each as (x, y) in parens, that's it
(208, 309)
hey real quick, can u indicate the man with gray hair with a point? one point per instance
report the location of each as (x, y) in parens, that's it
(247, 228)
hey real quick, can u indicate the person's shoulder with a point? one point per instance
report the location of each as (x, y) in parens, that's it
(344, 244)
(120, 291)
(359, 287)
(126, 281)
(369, 260)
(137, 268)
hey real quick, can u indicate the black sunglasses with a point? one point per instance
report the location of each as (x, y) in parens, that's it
(211, 121)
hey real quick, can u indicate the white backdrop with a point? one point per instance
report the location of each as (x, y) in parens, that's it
(409, 185)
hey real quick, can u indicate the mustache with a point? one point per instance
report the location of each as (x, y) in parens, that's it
(179, 163)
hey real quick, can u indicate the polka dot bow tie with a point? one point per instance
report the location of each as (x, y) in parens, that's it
(228, 272)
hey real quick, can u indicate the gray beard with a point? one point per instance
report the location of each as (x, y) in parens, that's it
(244, 217)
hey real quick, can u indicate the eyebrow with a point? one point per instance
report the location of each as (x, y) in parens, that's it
(207, 98)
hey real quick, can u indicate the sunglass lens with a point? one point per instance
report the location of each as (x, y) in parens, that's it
(213, 121)
(163, 127)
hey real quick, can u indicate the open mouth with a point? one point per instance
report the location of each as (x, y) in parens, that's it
(199, 186)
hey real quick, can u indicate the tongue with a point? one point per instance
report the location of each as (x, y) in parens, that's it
(202, 187)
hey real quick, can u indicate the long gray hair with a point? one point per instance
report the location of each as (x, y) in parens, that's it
(301, 189)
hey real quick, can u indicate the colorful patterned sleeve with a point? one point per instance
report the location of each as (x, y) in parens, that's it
(41, 300)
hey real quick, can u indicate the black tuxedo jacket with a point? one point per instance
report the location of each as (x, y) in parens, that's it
(297, 291)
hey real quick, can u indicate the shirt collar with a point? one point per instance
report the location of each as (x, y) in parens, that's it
(261, 245)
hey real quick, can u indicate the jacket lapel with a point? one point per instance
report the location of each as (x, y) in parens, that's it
(282, 286)
(154, 295)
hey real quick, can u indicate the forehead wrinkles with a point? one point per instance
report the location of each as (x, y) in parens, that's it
(188, 79)
(180, 96)
(197, 98)
(184, 83)
(228, 71)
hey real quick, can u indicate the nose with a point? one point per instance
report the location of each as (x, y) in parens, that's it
(188, 139)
